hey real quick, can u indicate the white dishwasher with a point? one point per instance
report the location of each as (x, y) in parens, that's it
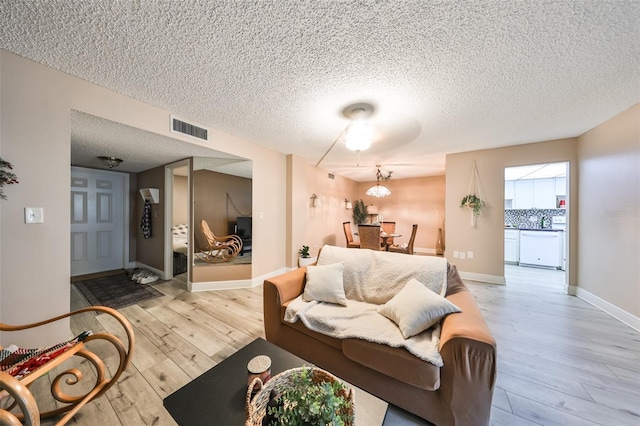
(541, 248)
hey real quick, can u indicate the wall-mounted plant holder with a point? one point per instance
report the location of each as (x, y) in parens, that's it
(150, 194)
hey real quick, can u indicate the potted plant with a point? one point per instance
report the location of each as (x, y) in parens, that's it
(360, 213)
(310, 398)
(305, 258)
(6, 177)
(473, 202)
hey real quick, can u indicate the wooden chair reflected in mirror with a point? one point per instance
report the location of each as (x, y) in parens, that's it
(409, 248)
(349, 236)
(369, 236)
(220, 249)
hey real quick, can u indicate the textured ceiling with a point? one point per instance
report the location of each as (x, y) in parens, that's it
(447, 76)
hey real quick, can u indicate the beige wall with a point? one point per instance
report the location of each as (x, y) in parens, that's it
(150, 252)
(315, 226)
(609, 206)
(486, 240)
(35, 106)
(180, 200)
(416, 200)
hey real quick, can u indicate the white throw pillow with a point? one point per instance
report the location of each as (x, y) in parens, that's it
(416, 308)
(325, 284)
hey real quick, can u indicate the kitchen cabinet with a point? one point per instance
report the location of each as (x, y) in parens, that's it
(511, 245)
(561, 186)
(523, 194)
(534, 193)
(544, 193)
(541, 248)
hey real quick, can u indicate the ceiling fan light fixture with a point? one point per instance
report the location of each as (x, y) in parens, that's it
(358, 135)
(110, 162)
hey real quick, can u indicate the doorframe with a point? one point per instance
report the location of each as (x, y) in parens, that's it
(567, 288)
(168, 219)
(126, 205)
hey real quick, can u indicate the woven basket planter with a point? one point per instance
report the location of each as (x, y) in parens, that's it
(257, 406)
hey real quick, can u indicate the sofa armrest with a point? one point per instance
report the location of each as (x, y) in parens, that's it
(276, 292)
(468, 350)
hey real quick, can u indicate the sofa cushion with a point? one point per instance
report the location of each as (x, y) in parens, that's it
(394, 362)
(416, 308)
(324, 284)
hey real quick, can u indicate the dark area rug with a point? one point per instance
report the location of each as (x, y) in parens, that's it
(115, 291)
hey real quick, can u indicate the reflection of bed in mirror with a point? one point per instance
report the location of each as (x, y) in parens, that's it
(180, 240)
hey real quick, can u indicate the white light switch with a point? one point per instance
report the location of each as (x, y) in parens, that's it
(33, 215)
(469, 255)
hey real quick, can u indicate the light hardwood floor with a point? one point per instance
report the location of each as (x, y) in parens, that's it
(560, 360)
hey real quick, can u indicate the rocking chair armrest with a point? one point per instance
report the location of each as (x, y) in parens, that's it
(23, 398)
(126, 325)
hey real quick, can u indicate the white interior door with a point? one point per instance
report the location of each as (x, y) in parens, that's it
(97, 221)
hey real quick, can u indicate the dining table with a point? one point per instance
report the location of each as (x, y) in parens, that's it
(385, 239)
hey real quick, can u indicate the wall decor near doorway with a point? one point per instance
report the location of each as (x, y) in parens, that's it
(474, 200)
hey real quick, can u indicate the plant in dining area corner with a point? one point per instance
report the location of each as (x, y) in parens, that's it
(6, 177)
(473, 202)
(360, 213)
(304, 252)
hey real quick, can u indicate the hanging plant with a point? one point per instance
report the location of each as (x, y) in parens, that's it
(360, 213)
(473, 202)
(6, 177)
(474, 198)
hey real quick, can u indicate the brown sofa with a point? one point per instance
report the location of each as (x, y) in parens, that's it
(459, 393)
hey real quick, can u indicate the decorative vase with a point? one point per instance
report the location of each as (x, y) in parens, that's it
(439, 243)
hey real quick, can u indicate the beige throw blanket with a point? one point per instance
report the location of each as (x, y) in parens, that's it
(377, 276)
(371, 279)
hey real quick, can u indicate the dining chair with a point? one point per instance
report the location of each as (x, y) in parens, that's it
(349, 235)
(369, 236)
(409, 248)
(389, 228)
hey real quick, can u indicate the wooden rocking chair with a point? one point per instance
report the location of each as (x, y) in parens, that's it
(19, 368)
(221, 249)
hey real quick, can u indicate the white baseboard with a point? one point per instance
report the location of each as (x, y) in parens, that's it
(491, 279)
(233, 284)
(430, 251)
(619, 314)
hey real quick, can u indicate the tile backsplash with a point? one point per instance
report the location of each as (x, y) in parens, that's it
(520, 217)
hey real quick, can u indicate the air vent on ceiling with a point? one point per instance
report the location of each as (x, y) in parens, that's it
(331, 176)
(189, 129)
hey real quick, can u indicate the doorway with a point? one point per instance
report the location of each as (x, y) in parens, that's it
(536, 206)
(99, 225)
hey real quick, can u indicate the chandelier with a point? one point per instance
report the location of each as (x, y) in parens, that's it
(378, 190)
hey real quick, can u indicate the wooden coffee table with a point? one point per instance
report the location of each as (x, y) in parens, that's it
(218, 396)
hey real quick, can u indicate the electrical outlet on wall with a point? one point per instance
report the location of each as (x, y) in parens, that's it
(456, 254)
(469, 255)
(462, 255)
